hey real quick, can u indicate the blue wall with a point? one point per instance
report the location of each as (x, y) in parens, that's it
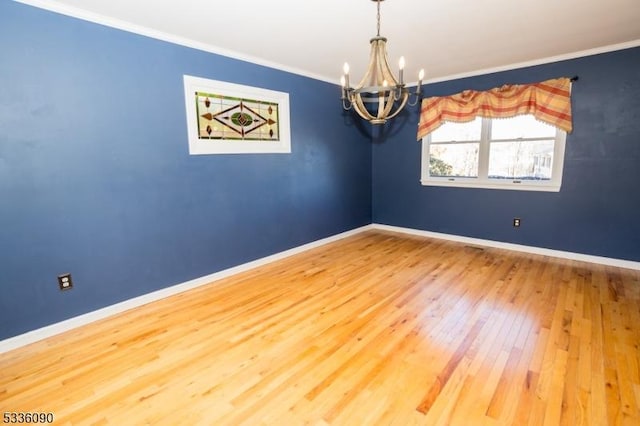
(96, 180)
(597, 209)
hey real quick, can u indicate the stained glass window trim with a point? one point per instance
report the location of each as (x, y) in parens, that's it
(228, 118)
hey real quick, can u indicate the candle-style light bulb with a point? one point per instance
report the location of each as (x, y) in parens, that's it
(345, 68)
(401, 66)
(384, 83)
(420, 77)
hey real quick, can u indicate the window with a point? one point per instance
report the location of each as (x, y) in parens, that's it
(507, 153)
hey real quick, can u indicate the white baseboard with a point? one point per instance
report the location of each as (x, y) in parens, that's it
(75, 322)
(620, 263)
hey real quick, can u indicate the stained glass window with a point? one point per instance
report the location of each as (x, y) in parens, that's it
(233, 118)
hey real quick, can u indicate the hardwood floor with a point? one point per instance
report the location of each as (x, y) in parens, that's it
(378, 328)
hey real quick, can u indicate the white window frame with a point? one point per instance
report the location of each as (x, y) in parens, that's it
(483, 180)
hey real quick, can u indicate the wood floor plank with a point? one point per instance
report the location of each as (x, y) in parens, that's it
(377, 328)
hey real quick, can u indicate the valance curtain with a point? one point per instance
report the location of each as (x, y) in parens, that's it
(548, 101)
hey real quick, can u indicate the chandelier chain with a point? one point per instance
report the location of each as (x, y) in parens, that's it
(378, 2)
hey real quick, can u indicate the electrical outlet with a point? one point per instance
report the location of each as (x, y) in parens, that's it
(64, 281)
(516, 222)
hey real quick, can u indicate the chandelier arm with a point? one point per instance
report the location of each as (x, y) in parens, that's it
(362, 111)
(400, 108)
(417, 95)
(386, 105)
(382, 105)
(399, 92)
(384, 69)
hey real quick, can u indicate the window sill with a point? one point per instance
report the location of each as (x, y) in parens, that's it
(466, 183)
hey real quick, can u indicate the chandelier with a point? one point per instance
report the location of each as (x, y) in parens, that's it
(379, 96)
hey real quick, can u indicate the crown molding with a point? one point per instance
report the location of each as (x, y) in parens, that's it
(96, 18)
(57, 7)
(541, 61)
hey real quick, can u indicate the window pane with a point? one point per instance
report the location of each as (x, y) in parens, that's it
(458, 159)
(531, 160)
(523, 126)
(458, 131)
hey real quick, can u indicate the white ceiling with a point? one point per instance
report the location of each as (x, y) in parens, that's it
(446, 37)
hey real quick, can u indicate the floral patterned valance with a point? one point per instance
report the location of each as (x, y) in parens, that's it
(548, 101)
